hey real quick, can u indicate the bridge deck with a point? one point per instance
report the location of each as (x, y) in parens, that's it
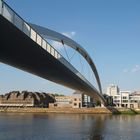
(20, 51)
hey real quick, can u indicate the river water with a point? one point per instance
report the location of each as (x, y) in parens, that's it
(21, 126)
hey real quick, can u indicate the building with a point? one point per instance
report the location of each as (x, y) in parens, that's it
(88, 101)
(117, 100)
(63, 101)
(124, 98)
(134, 99)
(77, 100)
(82, 100)
(112, 90)
(36, 99)
(26, 99)
(74, 101)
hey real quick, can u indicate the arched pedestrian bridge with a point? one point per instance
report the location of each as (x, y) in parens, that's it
(24, 46)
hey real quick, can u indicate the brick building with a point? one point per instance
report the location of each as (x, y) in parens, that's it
(26, 99)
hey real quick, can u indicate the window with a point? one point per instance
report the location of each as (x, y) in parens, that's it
(116, 101)
(75, 104)
(124, 97)
(125, 101)
(75, 99)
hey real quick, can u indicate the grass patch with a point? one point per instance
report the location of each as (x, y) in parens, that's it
(128, 112)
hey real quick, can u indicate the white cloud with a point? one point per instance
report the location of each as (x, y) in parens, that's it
(135, 69)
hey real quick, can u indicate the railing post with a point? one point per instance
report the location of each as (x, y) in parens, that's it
(41, 42)
(35, 37)
(22, 26)
(30, 32)
(46, 45)
(13, 18)
(2, 7)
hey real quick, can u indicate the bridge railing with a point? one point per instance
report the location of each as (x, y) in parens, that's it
(8, 13)
(22, 25)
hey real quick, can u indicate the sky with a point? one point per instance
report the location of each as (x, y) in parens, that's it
(109, 30)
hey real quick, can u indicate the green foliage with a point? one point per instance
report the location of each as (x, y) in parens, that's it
(56, 94)
(98, 103)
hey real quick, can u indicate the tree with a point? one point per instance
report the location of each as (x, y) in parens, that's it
(98, 103)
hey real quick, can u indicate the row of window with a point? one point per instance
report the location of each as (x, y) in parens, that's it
(126, 101)
(118, 97)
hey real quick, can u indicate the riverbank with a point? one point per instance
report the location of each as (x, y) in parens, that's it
(72, 110)
(58, 110)
(126, 111)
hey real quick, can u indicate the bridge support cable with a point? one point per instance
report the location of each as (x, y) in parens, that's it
(73, 55)
(67, 55)
(46, 64)
(82, 65)
(66, 52)
(85, 69)
(89, 75)
(53, 35)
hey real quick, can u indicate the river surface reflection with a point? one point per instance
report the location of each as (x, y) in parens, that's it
(68, 127)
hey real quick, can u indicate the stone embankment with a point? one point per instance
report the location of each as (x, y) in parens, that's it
(72, 110)
(58, 110)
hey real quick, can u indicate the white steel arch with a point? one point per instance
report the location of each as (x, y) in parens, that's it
(53, 35)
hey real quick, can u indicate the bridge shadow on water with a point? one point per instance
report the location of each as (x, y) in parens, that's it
(98, 128)
(96, 137)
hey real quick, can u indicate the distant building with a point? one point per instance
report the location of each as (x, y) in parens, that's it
(63, 101)
(36, 99)
(124, 98)
(88, 101)
(74, 101)
(77, 100)
(112, 90)
(26, 99)
(82, 100)
(134, 99)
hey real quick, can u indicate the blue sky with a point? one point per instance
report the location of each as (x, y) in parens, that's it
(108, 29)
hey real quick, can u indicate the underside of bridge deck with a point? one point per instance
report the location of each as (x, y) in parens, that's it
(18, 50)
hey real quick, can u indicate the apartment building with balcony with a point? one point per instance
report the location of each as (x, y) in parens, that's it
(124, 98)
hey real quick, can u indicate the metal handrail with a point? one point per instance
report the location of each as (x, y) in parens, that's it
(15, 13)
